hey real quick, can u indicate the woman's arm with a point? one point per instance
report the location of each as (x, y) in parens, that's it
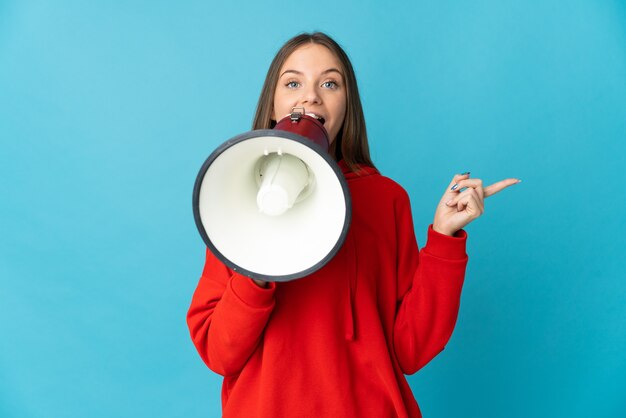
(227, 316)
(429, 291)
(430, 281)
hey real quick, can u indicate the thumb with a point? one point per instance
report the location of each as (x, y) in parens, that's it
(451, 193)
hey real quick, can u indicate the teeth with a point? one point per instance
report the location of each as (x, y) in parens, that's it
(320, 118)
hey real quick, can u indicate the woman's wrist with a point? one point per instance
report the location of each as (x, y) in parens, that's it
(443, 231)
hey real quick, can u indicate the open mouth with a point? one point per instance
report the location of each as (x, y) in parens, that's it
(320, 118)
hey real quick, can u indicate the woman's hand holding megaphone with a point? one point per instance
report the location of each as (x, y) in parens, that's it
(260, 283)
(459, 207)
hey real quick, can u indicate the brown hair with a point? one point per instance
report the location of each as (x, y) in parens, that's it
(351, 142)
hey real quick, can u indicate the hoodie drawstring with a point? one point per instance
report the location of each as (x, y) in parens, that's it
(351, 283)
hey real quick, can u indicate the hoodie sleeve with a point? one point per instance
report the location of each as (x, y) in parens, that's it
(227, 316)
(429, 290)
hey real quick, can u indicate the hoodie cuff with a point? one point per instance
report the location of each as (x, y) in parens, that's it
(445, 246)
(250, 293)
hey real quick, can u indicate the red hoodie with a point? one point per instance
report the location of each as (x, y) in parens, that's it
(338, 342)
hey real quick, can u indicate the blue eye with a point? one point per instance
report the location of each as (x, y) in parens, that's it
(329, 84)
(292, 84)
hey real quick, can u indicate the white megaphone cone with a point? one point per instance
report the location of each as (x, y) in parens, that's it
(283, 178)
(272, 204)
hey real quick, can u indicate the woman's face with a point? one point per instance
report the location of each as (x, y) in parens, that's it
(311, 78)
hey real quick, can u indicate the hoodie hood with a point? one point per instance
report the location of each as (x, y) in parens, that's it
(363, 171)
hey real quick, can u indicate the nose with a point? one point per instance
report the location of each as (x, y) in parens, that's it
(310, 96)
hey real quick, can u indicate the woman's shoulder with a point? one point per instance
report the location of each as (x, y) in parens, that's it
(377, 186)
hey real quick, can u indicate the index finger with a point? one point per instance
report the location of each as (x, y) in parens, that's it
(499, 186)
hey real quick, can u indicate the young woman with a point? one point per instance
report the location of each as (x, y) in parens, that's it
(339, 342)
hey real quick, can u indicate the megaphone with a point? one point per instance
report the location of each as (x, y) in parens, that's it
(272, 204)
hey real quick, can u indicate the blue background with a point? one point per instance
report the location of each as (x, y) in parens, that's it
(108, 109)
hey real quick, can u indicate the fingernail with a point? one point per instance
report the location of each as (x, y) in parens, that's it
(454, 187)
(467, 172)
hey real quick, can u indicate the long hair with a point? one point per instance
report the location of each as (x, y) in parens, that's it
(351, 142)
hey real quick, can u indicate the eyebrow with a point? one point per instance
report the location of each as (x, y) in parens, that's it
(330, 70)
